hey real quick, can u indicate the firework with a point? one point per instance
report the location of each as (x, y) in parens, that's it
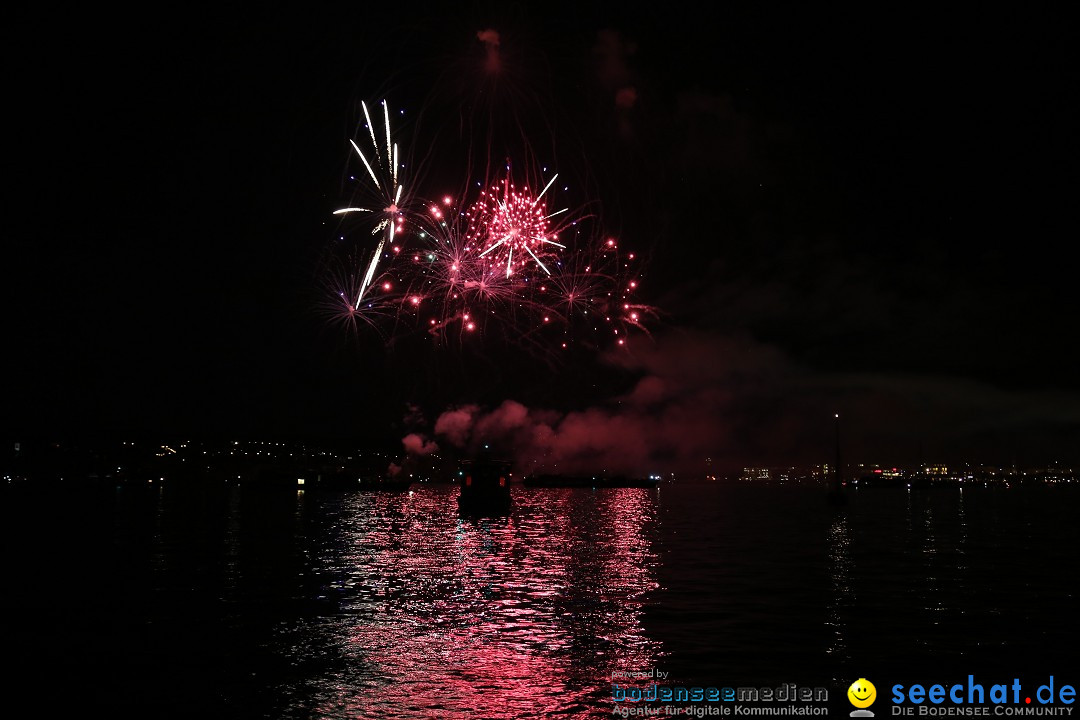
(502, 259)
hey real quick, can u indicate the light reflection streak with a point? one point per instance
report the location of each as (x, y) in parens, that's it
(840, 568)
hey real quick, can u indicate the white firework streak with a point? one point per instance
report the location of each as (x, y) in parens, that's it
(369, 274)
(395, 192)
(548, 217)
(370, 127)
(545, 188)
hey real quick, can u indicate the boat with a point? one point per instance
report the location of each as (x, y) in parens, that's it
(484, 486)
(590, 481)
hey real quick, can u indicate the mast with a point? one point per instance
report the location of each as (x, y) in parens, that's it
(836, 492)
(839, 472)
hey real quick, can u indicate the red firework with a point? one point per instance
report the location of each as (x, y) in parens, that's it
(512, 229)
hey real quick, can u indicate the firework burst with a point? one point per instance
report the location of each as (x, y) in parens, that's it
(502, 259)
(341, 280)
(505, 219)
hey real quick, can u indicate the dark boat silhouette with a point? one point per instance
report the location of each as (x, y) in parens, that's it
(484, 486)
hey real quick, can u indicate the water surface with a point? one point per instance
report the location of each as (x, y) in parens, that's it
(171, 600)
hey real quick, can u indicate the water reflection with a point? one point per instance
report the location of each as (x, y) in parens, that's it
(484, 617)
(839, 549)
(225, 601)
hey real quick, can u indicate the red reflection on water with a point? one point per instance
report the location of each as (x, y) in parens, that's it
(503, 617)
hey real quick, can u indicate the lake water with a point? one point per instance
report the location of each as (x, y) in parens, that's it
(181, 601)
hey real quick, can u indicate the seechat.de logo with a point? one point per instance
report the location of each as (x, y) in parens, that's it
(862, 694)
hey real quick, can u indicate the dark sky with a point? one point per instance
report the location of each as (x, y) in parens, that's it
(868, 213)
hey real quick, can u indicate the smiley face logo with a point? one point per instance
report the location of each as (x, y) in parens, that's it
(862, 693)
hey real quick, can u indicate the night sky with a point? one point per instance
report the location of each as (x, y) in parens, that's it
(866, 213)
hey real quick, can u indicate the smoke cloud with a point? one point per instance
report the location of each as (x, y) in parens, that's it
(707, 403)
